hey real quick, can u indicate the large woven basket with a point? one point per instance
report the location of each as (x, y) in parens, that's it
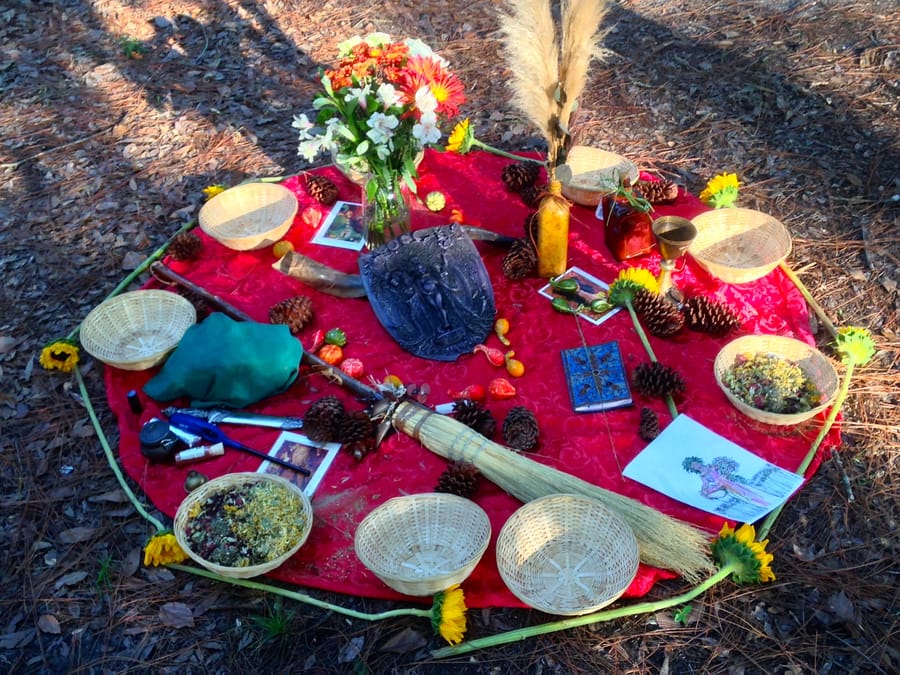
(424, 543)
(589, 173)
(136, 330)
(813, 363)
(249, 216)
(739, 245)
(227, 482)
(567, 554)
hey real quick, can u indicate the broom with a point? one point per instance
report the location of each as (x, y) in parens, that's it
(663, 541)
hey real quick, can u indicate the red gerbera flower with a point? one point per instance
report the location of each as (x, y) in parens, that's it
(446, 87)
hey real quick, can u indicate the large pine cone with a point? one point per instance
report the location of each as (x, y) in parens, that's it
(459, 479)
(532, 195)
(355, 426)
(649, 425)
(185, 246)
(321, 189)
(518, 176)
(295, 312)
(360, 448)
(710, 316)
(520, 428)
(324, 420)
(659, 316)
(475, 416)
(656, 380)
(520, 261)
(656, 191)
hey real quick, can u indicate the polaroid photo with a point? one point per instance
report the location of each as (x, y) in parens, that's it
(299, 450)
(590, 288)
(343, 228)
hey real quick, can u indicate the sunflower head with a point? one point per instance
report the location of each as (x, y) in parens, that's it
(212, 190)
(162, 549)
(855, 345)
(629, 282)
(461, 138)
(448, 614)
(62, 355)
(748, 557)
(721, 191)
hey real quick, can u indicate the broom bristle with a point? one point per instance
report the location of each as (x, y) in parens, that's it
(663, 541)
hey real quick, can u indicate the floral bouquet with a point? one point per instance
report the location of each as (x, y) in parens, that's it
(382, 104)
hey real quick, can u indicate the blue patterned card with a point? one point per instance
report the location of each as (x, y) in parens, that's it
(596, 377)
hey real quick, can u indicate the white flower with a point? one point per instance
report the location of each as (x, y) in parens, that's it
(345, 47)
(381, 127)
(309, 149)
(359, 94)
(383, 151)
(425, 100)
(377, 39)
(302, 123)
(426, 130)
(419, 48)
(388, 95)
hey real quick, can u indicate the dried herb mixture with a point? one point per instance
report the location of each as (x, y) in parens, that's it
(771, 383)
(246, 525)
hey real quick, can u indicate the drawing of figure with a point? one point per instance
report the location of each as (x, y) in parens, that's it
(718, 480)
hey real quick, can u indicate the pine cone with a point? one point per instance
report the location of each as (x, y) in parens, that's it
(710, 316)
(324, 420)
(518, 176)
(295, 312)
(520, 261)
(360, 448)
(656, 191)
(185, 246)
(659, 316)
(656, 380)
(459, 479)
(321, 189)
(520, 428)
(355, 426)
(475, 416)
(532, 195)
(198, 301)
(649, 425)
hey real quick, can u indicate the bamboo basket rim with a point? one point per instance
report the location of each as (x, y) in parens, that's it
(249, 216)
(136, 330)
(423, 543)
(739, 245)
(567, 554)
(588, 172)
(223, 483)
(817, 367)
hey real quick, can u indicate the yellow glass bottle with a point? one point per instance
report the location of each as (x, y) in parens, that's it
(553, 232)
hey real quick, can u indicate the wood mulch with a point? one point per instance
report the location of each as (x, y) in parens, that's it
(116, 114)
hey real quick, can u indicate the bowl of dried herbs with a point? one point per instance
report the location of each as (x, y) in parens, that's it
(241, 525)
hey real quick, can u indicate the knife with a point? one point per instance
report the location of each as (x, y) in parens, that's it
(222, 416)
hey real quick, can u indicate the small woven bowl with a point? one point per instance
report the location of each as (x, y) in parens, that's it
(589, 173)
(424, 543)
(234, 480)
(739, 245)
(249, 216)
(567, 554)
(813, 363)
(136, 330)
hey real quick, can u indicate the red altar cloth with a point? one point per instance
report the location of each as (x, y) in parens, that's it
(595, 446)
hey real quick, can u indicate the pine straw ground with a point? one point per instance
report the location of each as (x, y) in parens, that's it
(103, 157)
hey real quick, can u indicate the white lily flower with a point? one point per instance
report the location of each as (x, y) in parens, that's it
(359, 94)
(377, 39)
(345, 47)
(381, 127)
(388, 95)
(419, 48)
(425, 100)
(426, 129)
(309, 149)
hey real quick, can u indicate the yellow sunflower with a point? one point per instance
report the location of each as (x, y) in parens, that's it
(62, 355)
(448, 614)
(162, 549)
(629, 282)
(740, 550)
(212, 190)
(460, 140)
(721, 191)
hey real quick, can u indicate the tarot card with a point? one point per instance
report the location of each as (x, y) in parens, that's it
(590, 288)
(343, 228)
(298, 449)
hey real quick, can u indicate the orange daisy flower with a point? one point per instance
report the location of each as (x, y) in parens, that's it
(446, 87)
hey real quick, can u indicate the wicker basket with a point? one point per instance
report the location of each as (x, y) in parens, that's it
(567, 554)
(817, 368)
(249, 216)
(589, 173)
(739, 245)
(228, 481)
(424, 543)
(136, 330)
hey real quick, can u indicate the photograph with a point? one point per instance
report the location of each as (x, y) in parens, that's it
(590, 288)
(299, 450)
(343, 228)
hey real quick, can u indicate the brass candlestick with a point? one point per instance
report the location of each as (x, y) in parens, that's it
(674, 235)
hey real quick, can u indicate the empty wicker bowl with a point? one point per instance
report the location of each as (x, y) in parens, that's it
(739, 245)
(567, 554)
(589, 173)
(249, 216)
(137, 330)
(424, 543)
(295, 531)
(810, 360)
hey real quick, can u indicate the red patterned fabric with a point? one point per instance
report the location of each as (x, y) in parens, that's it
(595, 447)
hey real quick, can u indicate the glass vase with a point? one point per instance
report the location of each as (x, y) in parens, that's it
(628, 231)
(553, 233)
(385, 209)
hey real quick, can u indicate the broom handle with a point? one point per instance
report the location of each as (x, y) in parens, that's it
(168, 276)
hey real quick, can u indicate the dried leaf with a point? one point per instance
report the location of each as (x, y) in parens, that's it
(407, 640)
(6, 343)
(75, 535)
(49, 624)
(842, 607)
(17, 639)
(176, 615)
(350, 651)
(69, 579)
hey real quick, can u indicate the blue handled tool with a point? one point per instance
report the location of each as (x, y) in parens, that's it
(212, 433)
